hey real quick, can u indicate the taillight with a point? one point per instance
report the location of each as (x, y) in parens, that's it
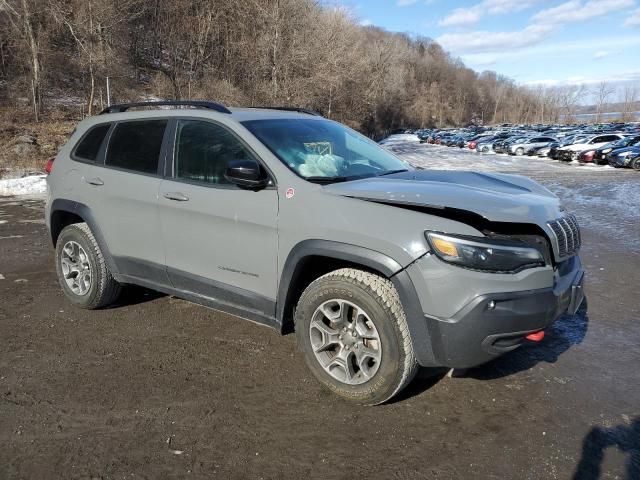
(49, 166)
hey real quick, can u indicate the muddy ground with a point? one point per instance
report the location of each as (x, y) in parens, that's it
(160, 388)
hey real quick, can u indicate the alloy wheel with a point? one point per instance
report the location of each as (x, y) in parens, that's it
(76, 268)
(345, 341)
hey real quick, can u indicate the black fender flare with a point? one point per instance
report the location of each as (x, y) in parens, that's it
(373, 260)
(84, 212)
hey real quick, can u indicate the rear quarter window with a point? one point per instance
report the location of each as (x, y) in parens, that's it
(136, 146)
(88, 147)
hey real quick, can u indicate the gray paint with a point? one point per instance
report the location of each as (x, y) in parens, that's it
(241, 241)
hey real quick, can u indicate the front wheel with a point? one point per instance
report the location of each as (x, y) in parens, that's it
(352, 330)
(520, 151)
(635, 164)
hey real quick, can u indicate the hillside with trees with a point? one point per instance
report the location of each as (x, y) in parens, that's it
(56, 55)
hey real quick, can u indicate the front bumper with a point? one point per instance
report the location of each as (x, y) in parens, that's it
(567, 155)
(492, 324)
(619, 162)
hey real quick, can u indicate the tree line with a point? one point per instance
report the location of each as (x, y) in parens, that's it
(253, 53)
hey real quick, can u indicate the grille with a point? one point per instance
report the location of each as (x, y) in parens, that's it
(567, 235)
(566, 155)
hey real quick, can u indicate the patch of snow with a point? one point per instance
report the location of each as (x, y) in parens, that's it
(400, 138)
(610, 214)
(31, 185)
(439, 157)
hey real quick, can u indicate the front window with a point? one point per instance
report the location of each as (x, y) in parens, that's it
(203, 151)
(324, 151)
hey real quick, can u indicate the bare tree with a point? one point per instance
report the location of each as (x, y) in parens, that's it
(21, 17)
(569, 98)
(601, 94)
(288, 52)
(629, 100)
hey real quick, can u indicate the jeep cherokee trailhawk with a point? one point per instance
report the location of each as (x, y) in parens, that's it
(287, 218)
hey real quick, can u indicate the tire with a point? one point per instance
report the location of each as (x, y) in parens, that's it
(519, 151)
(76, 242)
(635, 164)
(381, 332)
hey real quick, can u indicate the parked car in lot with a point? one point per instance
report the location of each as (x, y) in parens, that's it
(624, 157)
(503, 145)
(542, 152)
(523, 145)
(571, 152)
(485, 144)
(600, 156)
(533, 151)
(586, 156)
(634, 160)
(555, 150)
(274, 215)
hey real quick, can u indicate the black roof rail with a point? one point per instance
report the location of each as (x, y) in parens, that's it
(123, 107)
(308, 111)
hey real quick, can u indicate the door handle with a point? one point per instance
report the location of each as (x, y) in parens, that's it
(177, 196)
(94, 181)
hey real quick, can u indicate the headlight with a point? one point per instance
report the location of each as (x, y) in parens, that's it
(607, 150)
(480, 253)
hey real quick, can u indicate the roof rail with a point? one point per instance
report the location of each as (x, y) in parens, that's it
(123, 107)
(293, 109)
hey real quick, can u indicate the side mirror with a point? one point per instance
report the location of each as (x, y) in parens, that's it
(246, 173)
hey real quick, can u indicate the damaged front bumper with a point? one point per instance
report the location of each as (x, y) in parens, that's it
(491, 324)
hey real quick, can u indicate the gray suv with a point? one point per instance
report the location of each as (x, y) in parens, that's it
(292, 220)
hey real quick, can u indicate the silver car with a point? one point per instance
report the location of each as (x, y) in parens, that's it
(519, 148)
(292, 220)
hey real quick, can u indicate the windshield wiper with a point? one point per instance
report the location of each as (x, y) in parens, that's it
(391, 172)
(329, 179)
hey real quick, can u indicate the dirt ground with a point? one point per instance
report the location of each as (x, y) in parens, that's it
(160, 388)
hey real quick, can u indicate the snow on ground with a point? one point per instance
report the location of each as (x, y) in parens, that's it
(453, 158)
(31, 185)
(399, 139)
(609, 209)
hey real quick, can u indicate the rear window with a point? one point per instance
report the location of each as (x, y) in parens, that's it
(136, 145)
(89, 146)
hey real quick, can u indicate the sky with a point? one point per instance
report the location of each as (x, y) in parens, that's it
(546, 42)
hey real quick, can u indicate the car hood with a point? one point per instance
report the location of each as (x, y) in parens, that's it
(574, 147)
(496, 197)
(618, 151)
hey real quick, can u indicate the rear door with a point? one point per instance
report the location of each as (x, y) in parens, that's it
(125, 197)
(87, 151)
(220, 240)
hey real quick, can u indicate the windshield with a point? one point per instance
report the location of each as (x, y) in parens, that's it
(573, 139)
(626, 142)
(324, 151)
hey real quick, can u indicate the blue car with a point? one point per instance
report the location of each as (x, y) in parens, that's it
(628, 157)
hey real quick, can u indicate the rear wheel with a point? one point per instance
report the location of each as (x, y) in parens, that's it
(353, 332)
(635, 164)
(519, 151)
(82, 271)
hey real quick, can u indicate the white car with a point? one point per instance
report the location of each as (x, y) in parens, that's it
(570, 152)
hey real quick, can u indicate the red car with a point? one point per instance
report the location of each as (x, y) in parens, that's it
(586, 156)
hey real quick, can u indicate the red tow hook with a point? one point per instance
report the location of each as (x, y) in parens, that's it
(535, 336)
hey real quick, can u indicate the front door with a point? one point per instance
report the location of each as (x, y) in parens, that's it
(220, 240)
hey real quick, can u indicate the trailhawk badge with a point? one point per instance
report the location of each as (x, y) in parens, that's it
(290, 192)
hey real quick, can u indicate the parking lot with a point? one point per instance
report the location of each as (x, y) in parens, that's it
(157, 387)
